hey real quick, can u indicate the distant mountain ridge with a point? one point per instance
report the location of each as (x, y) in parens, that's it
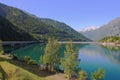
(91, 28)
(110, 29)
(39, 28)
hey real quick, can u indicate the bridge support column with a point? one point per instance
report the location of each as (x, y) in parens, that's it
(12, 46)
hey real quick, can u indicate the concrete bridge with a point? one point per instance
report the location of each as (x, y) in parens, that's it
(12, 44)
(32, 42)
(17, 42)
(66, 42)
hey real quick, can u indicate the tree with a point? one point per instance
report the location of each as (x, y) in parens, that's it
(98, 75)
(1, 48)
(83, 75)
(70, 61)
(41, 59)
(51, 56)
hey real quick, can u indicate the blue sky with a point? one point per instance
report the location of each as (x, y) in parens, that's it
(76, 13)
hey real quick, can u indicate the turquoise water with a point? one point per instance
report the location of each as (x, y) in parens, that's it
(92, 57)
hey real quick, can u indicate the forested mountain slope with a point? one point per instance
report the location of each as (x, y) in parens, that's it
(38, 28)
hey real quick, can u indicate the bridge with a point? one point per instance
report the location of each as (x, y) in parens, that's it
(66, 42)
(13, 44)
(32, 42)
(17, 42)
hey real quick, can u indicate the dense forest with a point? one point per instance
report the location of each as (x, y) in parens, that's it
(9, 32)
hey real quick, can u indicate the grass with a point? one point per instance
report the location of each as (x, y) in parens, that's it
(31, 68)
(2, 74)
(31, 71)
(8, 68)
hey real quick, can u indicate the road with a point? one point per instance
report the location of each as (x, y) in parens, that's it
(18, 42)
(65, 42)
(30, 42)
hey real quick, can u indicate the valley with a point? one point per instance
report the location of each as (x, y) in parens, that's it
(37, 47)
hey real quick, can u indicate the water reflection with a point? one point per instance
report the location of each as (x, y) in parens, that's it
(95, 56)
(93, 50)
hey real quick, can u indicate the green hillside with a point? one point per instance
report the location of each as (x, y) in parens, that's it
(111, 39)
(9, 32)
(63, 27)
(37, 28)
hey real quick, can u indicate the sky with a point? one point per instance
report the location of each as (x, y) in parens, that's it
(78, 14)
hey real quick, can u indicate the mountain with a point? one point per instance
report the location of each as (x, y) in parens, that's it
(110, 29)
(8, 32)
(63, 27)
(91, 28)
(37, 27)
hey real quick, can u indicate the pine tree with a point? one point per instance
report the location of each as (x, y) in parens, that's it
(51, 56)
(83, 75)
(70, 60)
(98, 75)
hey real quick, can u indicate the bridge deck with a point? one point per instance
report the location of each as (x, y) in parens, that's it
(65, 42)
(17, 42)
(30, 42)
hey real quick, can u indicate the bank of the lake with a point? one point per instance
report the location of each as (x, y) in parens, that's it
(29, 71)
(112, 41)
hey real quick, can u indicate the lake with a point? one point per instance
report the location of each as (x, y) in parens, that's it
(92, 57)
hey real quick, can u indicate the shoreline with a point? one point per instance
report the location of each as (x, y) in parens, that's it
(110, 44)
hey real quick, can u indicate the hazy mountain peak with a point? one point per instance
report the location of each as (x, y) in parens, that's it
(110, 29)
(90, 28)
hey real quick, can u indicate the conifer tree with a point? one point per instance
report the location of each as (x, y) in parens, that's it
(98, 75)
(51, 56)
(83, 75)
(70, 61)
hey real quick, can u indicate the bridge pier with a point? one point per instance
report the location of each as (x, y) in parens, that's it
(12, 46)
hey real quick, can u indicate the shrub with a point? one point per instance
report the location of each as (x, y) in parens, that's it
(32, 62)
(2, 52)
(26, 58)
